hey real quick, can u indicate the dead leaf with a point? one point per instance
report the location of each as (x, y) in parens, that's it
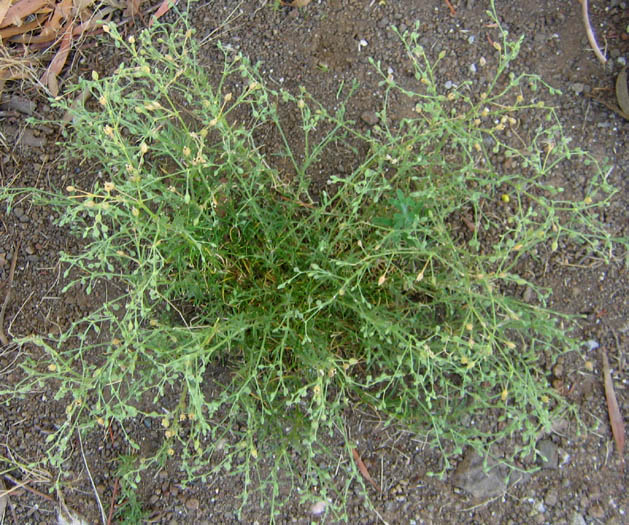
(4, 7)
(93, 22)
(470, 225)
(363, 469)
(56, 65)
(8, 32)
(79, 6)
(622, 92)
(63, 10)
(50, 31)
(16, 14)
(615, 418)
(163, 8)
(133, 8)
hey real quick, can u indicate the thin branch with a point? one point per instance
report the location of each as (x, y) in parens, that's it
(113, 502)
(588, 29)
(89, 475)
(451, 7)
(24, 485)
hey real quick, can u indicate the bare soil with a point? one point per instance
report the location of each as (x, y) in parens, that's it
(320, 46)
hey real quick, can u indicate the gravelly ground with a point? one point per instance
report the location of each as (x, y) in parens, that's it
(319, 47)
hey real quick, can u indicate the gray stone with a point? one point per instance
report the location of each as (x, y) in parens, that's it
(369, 117)
(551, 498)
(577, 519)
(540, 38)
(28, 138)
(596, 511)
(192, 504)
(20, 104)
(578, 88)
(470, 475)
(550, 456)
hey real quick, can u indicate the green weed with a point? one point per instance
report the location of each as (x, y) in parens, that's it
(382, 291)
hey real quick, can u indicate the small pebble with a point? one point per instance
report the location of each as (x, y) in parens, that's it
(550, 455)
(318, 508)
(20, 104)
(28, 138)
(592, 344)
(369, 117)
(577, 519)
(192, 503)
(577, 87)
(596, 511)
(551, 498)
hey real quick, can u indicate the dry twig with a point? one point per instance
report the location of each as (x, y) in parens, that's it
(89, 475)
(590, 33)
(112, 505)
(451, 7)
(24, 485)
